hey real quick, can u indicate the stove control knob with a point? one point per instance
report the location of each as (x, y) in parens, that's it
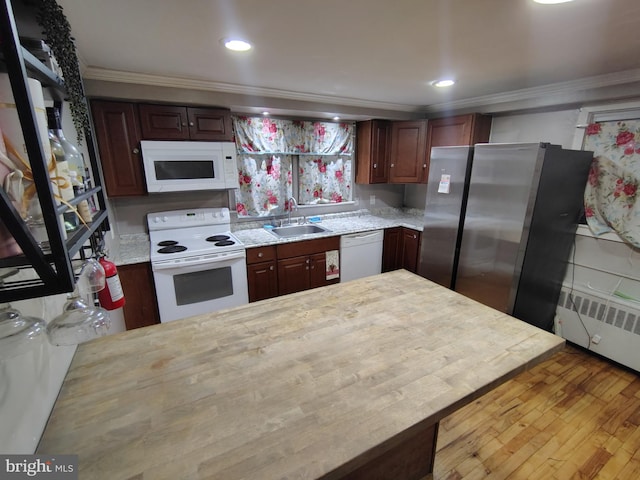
(165, 219)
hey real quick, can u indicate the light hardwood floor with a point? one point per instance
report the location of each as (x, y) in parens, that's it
(575, 416)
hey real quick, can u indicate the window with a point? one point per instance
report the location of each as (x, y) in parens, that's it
(280, 159)
(611, 194)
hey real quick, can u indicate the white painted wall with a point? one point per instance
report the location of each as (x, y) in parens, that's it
(551, 127)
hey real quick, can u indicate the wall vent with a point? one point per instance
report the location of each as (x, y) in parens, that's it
(592, 305)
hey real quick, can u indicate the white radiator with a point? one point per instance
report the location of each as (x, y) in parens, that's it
(609, 326)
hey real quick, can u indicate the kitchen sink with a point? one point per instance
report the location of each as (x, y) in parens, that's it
(297, 230)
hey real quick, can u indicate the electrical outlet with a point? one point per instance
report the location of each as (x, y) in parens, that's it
(596, 339)
(372, 199)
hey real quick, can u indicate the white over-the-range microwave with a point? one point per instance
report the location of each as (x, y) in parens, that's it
(187, 166)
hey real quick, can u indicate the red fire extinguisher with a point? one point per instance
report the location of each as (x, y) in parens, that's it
(111, 296)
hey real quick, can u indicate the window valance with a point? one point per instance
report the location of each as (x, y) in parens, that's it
(260, 135)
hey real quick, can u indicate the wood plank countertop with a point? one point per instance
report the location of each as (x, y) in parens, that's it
(306, 386)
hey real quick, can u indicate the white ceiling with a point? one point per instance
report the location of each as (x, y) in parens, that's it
(370, 53)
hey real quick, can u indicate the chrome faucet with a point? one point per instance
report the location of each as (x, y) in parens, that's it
(292, 204)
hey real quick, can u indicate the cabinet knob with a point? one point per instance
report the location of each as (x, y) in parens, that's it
(184, 124)
(307, 260)
(271, 268)
(392, 165)
(375, 165)
(415, 236)
(424, 165)
(136, 151)
(191, 124)
(307, 267)
(260, 254)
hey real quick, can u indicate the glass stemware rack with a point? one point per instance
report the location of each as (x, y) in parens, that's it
(43, 271)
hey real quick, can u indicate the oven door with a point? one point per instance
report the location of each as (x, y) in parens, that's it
(202, 284)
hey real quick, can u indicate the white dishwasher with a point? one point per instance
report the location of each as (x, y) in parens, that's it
(360, 255)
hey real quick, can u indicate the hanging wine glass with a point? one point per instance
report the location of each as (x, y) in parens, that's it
(18, 333)
(91, 279)
(79, 322)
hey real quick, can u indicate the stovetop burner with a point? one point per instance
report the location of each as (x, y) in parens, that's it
(224, 243)
(181, 234)
(172, 248)
(219, 238)
(167, 243)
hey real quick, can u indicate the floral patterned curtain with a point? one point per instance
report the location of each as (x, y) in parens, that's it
(265, 184)
(268, 135)
(265, 146)
(612, 190)
(324, 180)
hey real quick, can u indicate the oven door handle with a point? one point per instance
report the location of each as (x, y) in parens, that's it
(213, 259)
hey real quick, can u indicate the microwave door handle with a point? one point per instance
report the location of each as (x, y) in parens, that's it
(199, 261)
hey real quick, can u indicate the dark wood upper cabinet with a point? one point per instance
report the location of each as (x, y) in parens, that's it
(173, 122)
(118, 137)
(373, 138)
(212, 124)
(459, 130)
(163, 122)
(408, 163)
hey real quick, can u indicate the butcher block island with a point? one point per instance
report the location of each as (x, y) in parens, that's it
(346, 381)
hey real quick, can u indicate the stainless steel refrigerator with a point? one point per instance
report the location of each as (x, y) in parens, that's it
(500, 221)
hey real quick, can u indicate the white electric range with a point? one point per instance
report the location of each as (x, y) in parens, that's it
(198, 265)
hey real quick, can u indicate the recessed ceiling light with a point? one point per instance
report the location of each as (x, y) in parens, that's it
(336, 118)
(443, 83)
(265, 113)
(237, 45)
(551, 2)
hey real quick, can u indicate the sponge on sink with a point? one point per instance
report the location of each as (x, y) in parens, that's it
(314, 219)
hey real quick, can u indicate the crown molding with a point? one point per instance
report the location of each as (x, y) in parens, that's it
(561, 89)
(94, 73)
(552, 94)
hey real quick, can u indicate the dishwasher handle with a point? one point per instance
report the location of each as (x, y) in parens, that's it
(354, 239)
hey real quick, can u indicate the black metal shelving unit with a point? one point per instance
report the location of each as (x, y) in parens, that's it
(49, 272)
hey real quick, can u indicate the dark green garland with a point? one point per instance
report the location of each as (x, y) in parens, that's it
(57, 34)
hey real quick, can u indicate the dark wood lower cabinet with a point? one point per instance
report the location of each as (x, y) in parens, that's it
(302, 265)
(391, 249)
(293, 275)
(141, 307)
(401, 249)
(410, 249)
(262, 273)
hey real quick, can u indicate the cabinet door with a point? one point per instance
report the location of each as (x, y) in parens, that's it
(163, 122)
(318, 271)
(262, 279)
(391, 249)
(293, 274)
(211, 124)
(141, 308)
(459, 130)
(410, 249)
(373, 149)
(118, 137)
(408, 163)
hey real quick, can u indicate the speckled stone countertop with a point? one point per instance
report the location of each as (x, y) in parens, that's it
(134, 248)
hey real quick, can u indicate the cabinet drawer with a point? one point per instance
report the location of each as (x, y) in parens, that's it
(308, 247)
(260, 254)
